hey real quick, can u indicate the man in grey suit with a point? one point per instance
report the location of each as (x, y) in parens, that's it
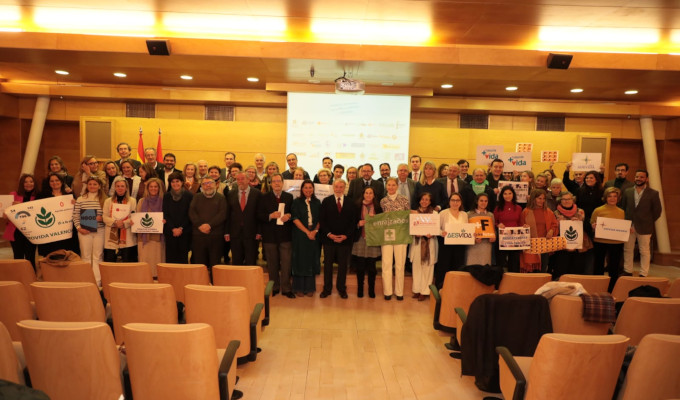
(407, 186)
(453, 184)
(642, 206)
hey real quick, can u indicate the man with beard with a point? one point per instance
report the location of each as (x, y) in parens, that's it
(621, 171)
(169, 161)
(207, 212)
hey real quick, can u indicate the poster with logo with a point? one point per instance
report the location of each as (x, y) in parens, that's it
(516, 161)
(6, 200)
(586, 161)
(514, 238)
(424, 224)
(572, 232)
(524, 147)
(521, 190)
(484, 228)
(322, 191)
(292, 187)
(550, 155)
(460, 234)
(612, 228)
(120, 211)
(88, 220)
(486, 154)
(147, 222)
(388, 228)
(43, 221)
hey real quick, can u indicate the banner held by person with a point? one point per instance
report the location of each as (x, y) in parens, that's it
(322, 191)
(586, 161)
(572, 232)
(6, 201)
(514, 238)
(151, 222)
(43, 221)
(521, 190)
(292, 186)
(460, 234)
(424, 224)
(612, 228)
(486, 154)
(388, 228)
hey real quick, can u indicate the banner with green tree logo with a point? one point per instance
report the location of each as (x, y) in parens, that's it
(388, 228)
(43, 221)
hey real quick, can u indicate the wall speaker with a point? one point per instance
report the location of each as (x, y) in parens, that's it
(158, 47)
(559, 61)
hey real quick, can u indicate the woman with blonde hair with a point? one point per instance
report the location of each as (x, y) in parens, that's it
(542, 223)
(56, 165)
(89, 166)
(89, 222)
(133, 180)
(191, 182)
(117, 215)
(393, 201)
(151, 246)
(271, 169)
(428, 183)
(146, 171)
(112, 170)
(607, 249)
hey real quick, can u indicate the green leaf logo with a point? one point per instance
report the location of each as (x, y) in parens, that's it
(571, 233)
(147, 221)
(44, 219)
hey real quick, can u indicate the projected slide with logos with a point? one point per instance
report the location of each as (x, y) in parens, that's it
(350, 129)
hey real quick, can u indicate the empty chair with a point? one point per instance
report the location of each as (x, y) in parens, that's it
(653, 373)
(133, 272)
(565, 367)
(180, 275)
(627, 283)
(674, 289)
(251, 278)
(591, 283)
(68, 302)
(459, 290)
(515, 282)
(227, 310)
(19, 271)
(10, 369)
(14, 307)
(179, 362)
(152, 303)
(566, 313)
(75, 271)
(72, 360)
(641, 316)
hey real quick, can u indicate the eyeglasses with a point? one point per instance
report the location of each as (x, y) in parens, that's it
(93, 163)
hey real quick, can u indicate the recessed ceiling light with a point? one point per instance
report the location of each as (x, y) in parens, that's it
(511, 88)
(631, 91)
(61, 72)
(252, 79)
(577, 90)
(314, 81)
(447, 86)
(120, 74)
(187, 77)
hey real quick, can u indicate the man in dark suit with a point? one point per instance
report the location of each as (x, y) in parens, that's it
(356, 187)
(415, 168)
(453, 184)
(229, 158)
(241, 228)
(277, 236)
(124, 152)
(338, 222)
(150, 157)
(169, 161)
(621, 171)
(292, 161)
(642, 206)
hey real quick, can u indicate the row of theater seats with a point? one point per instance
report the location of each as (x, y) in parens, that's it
(232, 311)
(579, 360)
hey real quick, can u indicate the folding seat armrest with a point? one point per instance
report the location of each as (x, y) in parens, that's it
(267, 294)
(225, 366)
(437, 307)
(517, 374)
(254, 317)
(461, 314)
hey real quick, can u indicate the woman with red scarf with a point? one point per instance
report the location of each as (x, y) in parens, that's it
(116, 214)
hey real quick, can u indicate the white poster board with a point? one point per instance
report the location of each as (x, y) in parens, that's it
(612, 228)
(521, 190)
(586, 161)
(322, 191)
(424, 224)
(460, 234)
(147, 222)
(43, 221)
(572, 232)
(486, 154)
(514, 238)
(516, 161)
(292, 187)
(6, 200)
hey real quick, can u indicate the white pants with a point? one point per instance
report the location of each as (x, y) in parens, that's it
(399, 252)
(645, 253)
(422, 275)
(92, 250)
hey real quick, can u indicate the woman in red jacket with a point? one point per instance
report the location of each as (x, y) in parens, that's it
(542, 223)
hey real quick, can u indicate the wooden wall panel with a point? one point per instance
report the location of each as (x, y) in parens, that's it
(260, 114)
(12, 152)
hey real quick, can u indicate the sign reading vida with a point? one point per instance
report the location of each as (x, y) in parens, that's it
(486, 154)
(516, 161)
(460, 234)
(388, 228)
(150, 222)
(43, 221)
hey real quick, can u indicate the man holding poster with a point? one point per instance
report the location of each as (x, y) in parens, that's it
(608, 247)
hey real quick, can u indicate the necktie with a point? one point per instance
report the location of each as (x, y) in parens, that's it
(415, 176)
(278, 199)
(453, 188)
(366, 183)
(243, 200)
(339, 206)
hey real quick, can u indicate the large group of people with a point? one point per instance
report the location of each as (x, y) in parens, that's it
(216, 215)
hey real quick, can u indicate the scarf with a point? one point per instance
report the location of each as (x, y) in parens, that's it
(118, 235)
(151, 204)
(176, 195)
(567, 212)
(479, 187)
(424, 240)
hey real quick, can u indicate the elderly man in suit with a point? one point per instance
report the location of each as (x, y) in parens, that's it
(241, 228)
(277, 234)
(356, 187)
(454, 184)
(338, 222)
(407, 186)
(642, 205)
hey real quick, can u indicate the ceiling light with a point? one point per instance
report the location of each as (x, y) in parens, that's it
(61, 72)
(511, 88)
(252, 79)
(120, 74)
(187, 77)
(577, 90)
(447, 86)
(631, 91)
(128, 23)
(314, 81)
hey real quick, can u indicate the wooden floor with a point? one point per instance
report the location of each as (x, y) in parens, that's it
(353, 349)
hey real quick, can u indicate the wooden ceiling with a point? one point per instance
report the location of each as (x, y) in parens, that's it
(480, 47)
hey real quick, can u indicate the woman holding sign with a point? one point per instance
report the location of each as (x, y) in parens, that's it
(57, 187)
(116, 215)
(507, 214)
(88, 220)
(608, 247)
(151, 245)
(542, 223)
(21, 246)
(363, 256)
(423, 254)
(393, 202)
(570, 261)
(451, 256)
(480, 252)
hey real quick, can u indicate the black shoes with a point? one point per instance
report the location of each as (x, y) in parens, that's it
(360, 294)
(290, 295)
(400, 298)
(343, 294)
(388, 297)
(323, 295)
